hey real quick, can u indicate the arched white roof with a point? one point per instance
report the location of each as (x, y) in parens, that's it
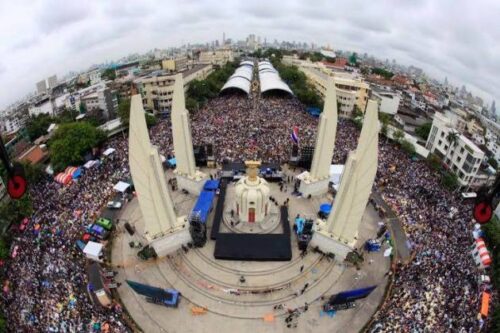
(242, 77)
(270, 79)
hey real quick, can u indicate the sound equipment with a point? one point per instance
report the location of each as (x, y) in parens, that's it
(200, 156)
(306, 156)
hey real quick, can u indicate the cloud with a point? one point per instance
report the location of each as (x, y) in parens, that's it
(453, 38)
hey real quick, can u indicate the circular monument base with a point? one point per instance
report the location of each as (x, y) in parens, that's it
(238, 295)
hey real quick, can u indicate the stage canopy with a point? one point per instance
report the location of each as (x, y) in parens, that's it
(109, 151)
(63, 178)
(121, 186)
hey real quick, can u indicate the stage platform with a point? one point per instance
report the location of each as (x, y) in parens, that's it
(256, 247)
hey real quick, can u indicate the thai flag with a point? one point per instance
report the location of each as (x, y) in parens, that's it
(295, 135)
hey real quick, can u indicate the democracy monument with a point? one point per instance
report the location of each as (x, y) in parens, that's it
(244, 240)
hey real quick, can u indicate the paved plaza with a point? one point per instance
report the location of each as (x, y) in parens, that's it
(233, 306)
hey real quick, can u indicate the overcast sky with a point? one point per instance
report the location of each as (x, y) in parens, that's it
(455, 38)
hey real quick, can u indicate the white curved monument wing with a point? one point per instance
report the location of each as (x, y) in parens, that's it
(325, 139)
(147, 173)
(181, 131)
(357, 181)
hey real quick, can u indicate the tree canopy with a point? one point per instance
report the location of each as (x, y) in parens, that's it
(38, 125)
(109, 74)
(424, 130)
(301, 87)
(383, 72)
(124, 113)
(71, 142)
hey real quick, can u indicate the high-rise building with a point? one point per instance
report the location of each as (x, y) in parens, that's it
(52, 81)
(41, 87)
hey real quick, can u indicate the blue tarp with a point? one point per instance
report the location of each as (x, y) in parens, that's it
(299, 222)
(315, 112)
(211, 185)
(172, 162)
(325, 208)
(351, 295)
(204, 204)
(77, 174)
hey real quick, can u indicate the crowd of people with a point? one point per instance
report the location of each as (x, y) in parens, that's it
(436, 291)
(46, 280)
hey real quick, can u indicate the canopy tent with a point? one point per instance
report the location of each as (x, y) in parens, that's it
(121, 186)
(77, 173)
(70, 170)
(109, 151)
(93, 251)
(172, 162)
(91, 163)
(325, 208)
(49, 170)
(469, 195)
(63, 178)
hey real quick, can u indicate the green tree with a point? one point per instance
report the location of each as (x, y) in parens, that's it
(14, 211)
(382, 72)
(67, 116)
(124, 110)
(38, 125)
(384, 120)
(71, 142)
(33, 172)
(398, 136)
(192, 105)
(109, 74)
(353, 59)
(434, 161)
(449, 180)
(4, 249)
(83, 108)
(452, 138)
(424, 130)
(408, 147)
(493, 162)
(150, 120)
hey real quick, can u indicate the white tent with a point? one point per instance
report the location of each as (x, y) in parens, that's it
(90, 164)
(93, 251)
(121, 186)
(109, 151)
(336, 174)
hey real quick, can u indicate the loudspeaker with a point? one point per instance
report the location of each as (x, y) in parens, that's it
(210, 149)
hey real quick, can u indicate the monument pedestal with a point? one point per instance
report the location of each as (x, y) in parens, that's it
(309, 186)
(193, 185)
(328, 244)
(172, 240)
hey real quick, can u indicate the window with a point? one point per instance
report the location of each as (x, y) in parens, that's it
(462, 150)
(440, 143)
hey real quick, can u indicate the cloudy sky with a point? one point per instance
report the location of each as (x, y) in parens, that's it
(454, 38)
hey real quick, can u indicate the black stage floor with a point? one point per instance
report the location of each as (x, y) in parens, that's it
(256, 247)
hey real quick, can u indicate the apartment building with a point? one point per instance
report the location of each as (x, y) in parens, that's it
(216, 57)
(462, 157)
(388, 100)
(157, 88)
(175, 64)
(99, 97)
(351, 91)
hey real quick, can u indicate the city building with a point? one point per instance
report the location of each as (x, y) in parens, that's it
(351, 90)
(492, 142)
(99, 97)
(217, 57)
(388, 99)
(157, 88)
(462, 157)
(41, 87)
(175, 64)
(94, 77)
(43, 105)
(52, 81)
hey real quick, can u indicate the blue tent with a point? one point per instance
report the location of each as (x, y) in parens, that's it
(172, 162)
(315, 112)
(299, 223)
(77, 174)
(325, 208)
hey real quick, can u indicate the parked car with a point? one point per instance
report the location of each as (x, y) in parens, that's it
(105, 223)
(114, 204)
(98, 231)
(80, 244)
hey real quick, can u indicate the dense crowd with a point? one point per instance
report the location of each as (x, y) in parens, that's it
(435, 292)
(47, 279)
